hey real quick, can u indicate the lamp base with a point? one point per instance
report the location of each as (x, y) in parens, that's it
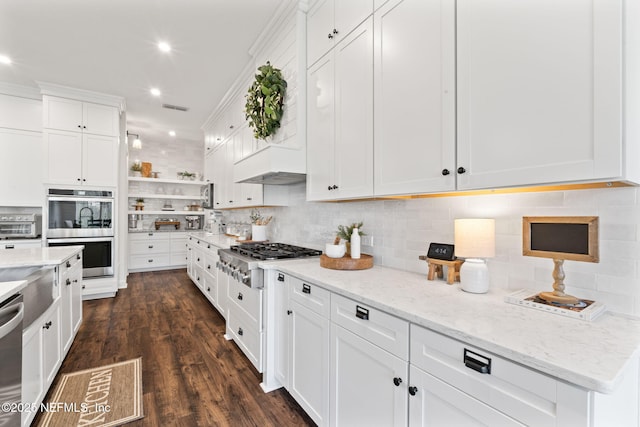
(474, 276)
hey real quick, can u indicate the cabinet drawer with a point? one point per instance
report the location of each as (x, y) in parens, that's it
(179, 259)
(311, 296)
(378, 327)
(148, 236)
(247, 300)
(246, 336)
(149, 247)
(149, 261)
(70, 263)
(522, 393)
(178, 245)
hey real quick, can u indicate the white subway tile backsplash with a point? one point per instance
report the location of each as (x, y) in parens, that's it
(403, 229)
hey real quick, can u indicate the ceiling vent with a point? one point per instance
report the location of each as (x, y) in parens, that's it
(174, 107)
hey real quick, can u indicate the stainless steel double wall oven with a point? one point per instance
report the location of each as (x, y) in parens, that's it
(83, 217)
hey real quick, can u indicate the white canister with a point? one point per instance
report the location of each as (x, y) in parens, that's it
(258, 232)
(355, 244)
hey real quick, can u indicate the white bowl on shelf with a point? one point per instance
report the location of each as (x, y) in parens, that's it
(335, 251)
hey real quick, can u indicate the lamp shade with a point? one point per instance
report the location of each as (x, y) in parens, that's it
(475, 238)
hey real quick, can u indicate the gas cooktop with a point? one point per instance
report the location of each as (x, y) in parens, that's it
(268, 251)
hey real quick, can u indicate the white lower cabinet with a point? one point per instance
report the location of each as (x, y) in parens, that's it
(368, 384)
(42, 356)
(156, 251)
(47, 340)
(350, 364)
(309, 362)
(435, 403)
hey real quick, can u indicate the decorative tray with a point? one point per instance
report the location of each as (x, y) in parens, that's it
(346, 262)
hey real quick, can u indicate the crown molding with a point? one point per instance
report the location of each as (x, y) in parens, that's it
(53, 89)
(20, 91)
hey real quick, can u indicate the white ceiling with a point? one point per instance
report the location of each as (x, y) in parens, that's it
(110, 46)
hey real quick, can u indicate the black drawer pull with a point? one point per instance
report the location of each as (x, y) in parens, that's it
(477, 362)
(413, 390)
(150, 246)
(306, 289)
(397, 381)
(240, 297)
(240, 332)
(68, 264)
(10, 246)
(68, 282)
(289, 312)
(78, 256)
(362, 313)
(280, 277)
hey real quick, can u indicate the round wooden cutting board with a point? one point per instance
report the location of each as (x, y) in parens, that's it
(346, 262)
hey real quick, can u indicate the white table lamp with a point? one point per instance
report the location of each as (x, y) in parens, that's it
(474, 240)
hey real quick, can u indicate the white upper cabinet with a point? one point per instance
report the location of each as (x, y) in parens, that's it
(414, 102)
(340, 120)
(329, 21)
(78, 116)
(539, 92)
(80, 142)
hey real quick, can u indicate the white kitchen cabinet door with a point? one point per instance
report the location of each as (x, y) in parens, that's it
(209, 167)
(100, 160)
(368, 384)
(32, 370)
(434, 403)
(309, 362)
(51, 344)
(414, 106)
(100, 119)
(282, 329)
(20, 171)
(340, 120)
(330, 21)
(539, 91)
(63, 157)
(320, 129)
(354, 113)
(77, 116)
(76, 295)
(220, 190)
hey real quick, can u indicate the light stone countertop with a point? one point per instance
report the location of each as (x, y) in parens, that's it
(27, 257)
(9, 288)
(592, 355)
(222, 241)
(31, 257)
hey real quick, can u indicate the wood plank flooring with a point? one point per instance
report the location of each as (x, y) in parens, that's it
(191, 375)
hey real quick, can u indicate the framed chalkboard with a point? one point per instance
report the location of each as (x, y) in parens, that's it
(561, 237)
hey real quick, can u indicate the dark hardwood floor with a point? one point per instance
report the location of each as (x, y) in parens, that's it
(192, 376)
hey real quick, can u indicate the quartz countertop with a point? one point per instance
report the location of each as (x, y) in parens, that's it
(592, 355)
(9, 288)
(222, 241)
(27, 257)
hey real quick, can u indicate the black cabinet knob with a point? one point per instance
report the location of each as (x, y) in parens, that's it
(208, 289)
(461, 170)
(445, 172)
(289, 312)
(240, 331)
(335, 187)
(413, 390)
(68, 282)
(329, 188)
(240, 297)
(397, 381)
(329, 36)
(335, 31)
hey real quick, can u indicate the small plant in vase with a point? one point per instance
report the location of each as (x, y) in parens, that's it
(136, 168)
(345, 232)
(258, 225)
(139, 204)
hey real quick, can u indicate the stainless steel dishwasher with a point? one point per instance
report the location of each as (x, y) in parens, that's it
(11, 315)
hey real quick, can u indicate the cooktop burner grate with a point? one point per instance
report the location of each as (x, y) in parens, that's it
(268, 251)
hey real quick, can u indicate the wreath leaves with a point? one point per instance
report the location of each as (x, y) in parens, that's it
(265, 101)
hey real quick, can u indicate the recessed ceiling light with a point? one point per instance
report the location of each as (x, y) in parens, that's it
(172, 133)
(5, 59)
(155, 91)
(164, 47)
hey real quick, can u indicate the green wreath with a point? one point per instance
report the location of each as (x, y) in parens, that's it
(265, 101)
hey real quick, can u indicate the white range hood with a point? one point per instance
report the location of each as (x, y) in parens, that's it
(273, 165)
